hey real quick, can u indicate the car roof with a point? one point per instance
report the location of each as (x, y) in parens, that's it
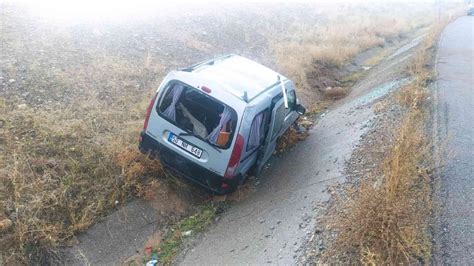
(238, 75)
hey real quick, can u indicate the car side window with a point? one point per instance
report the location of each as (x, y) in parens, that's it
(258, 130)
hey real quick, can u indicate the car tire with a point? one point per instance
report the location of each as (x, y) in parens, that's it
(233, 185)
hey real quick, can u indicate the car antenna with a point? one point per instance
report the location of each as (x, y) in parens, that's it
(245, 97)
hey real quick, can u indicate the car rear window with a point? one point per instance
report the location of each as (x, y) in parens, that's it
(198, 114)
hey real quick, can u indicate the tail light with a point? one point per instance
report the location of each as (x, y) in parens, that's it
(148, 112)
(235, 157)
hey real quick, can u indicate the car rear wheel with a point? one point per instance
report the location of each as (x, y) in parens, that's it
(231, 185)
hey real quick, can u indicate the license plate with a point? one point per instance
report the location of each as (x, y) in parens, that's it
(184, 145)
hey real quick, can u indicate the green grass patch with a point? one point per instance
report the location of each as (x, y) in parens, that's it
(352, 78)
(174, 238)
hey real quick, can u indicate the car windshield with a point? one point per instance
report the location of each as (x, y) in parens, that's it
(199, 114)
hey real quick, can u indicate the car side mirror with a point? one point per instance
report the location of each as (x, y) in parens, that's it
(300, 109)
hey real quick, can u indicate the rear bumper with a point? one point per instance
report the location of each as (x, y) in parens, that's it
(184, 167)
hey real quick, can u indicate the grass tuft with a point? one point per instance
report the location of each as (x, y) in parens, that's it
(172, 241)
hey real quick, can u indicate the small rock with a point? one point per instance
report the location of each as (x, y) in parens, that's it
(187, 233)
(306, 123)
(21, 106)
(11, 80)
(301, 129)
(5, 224)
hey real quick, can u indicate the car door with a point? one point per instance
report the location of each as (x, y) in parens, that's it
(252, 149)
(291, 115)
(277, 119)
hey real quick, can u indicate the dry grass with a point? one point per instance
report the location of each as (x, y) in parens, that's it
(68, 138)
(59, 183)
(288, 140)
(335, 93)
(349, 31)
(292, 136)
(386, 219)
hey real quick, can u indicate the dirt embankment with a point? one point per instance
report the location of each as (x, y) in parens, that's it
(383, 212)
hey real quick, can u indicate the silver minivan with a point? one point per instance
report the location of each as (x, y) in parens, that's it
(217, 120)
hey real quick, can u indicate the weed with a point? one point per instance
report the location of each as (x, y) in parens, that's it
(353, 77)
(377, 58)
(385, 219)
(289, 139)
(172, 241)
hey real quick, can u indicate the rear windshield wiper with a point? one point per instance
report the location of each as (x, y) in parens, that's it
(190, 133)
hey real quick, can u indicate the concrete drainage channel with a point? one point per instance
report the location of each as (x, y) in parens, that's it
(273, 224)
(380, 91)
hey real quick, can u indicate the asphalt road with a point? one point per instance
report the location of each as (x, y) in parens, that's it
(455, 119)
